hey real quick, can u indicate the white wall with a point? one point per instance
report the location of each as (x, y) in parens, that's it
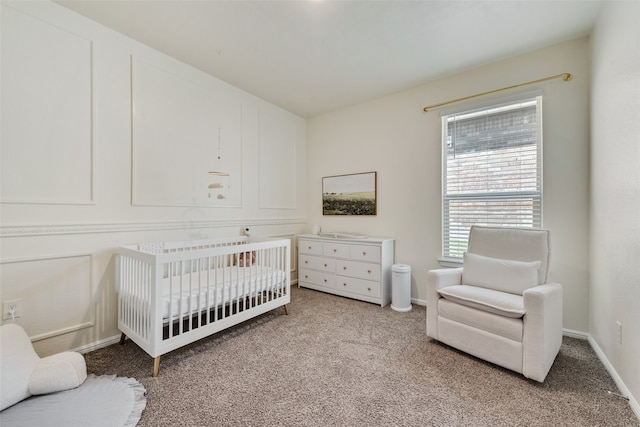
(615, 191)
(107, 142)
(392, 136)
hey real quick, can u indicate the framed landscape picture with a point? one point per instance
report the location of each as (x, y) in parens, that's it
(353, 194)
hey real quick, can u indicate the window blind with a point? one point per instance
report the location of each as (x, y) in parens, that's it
(492, 170)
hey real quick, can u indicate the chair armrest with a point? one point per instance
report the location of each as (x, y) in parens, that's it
(542, 335)
(438, 279)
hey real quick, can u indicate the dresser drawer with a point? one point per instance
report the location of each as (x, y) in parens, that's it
(318, 278)
(310, 247)
(362, 270)
(364, 253)
(358, 286)
(337, 250)
(318, 263)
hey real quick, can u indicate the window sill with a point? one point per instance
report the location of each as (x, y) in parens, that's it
(450, 262)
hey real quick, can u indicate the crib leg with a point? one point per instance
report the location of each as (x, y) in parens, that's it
(156, 366)
(122, 338)
(286, 309)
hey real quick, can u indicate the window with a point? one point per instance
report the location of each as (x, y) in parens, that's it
(492, 170)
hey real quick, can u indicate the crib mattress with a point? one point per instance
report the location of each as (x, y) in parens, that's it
(216, 287)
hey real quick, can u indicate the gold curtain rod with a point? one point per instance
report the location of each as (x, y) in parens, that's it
(565, 76)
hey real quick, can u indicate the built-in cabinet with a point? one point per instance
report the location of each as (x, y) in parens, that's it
(353, 268)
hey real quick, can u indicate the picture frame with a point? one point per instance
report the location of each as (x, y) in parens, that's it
(352, 194)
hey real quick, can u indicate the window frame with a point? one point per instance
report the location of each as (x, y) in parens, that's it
(536, 196)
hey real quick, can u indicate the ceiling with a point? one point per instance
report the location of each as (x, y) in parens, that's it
(311, 57)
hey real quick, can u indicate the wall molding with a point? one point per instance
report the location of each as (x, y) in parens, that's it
(89, 306)
(7, 231)
(65, 137)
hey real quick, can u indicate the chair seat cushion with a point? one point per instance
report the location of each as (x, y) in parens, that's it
(507, 327)
(499, 274)
(490, 300)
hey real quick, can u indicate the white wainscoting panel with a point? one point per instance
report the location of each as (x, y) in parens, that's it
(293, 247)
(56, 293)
(182, 130)
(47, 135)
(277, 161)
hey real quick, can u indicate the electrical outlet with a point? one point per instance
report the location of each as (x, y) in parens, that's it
(9, 306)
(619, 331)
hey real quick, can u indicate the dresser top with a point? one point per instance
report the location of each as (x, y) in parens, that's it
(327, 237)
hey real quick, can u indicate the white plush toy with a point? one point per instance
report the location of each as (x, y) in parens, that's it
(23, 373)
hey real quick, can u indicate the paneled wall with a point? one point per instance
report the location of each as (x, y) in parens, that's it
(107, 142)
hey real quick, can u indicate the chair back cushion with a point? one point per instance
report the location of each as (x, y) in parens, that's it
(517, 244)
(503, 275)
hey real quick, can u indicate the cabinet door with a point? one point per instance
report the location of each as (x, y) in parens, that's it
(310, 247)
(362, 270)
(318, 263)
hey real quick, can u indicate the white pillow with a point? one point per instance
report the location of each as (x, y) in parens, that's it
(58, 372)
(499, 274)
(17, 360)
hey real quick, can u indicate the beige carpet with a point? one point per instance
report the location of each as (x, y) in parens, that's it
(338, 362)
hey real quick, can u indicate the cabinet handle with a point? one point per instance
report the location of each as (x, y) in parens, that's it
(364, 253)
(325, 264)
(344, 284)
(325, 280)
(335, 250)
(369, 289)
(309, 247)
(306, 277)
(344, 268)
(369, 271)
(306, 262)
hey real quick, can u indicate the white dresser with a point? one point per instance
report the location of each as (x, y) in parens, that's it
(353, 268)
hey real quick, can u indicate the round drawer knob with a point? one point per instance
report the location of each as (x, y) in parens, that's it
(344, 268)
(306, 262)
(344, 284)
(309, 248)
(325, 280)
(364, 253)
(325, 264)
(335, 250)
(306, 277)
(369, 271)
(369, 289)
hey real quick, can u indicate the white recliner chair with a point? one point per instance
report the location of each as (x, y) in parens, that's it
(499, 306)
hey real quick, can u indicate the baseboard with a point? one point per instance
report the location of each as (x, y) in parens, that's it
(608, 366)
(635, 407)
(97, 345)
(418, 301)
(575, 334)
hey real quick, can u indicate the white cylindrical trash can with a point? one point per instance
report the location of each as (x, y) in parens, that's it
(401, 287)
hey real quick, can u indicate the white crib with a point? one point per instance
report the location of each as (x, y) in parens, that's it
(171, 294)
